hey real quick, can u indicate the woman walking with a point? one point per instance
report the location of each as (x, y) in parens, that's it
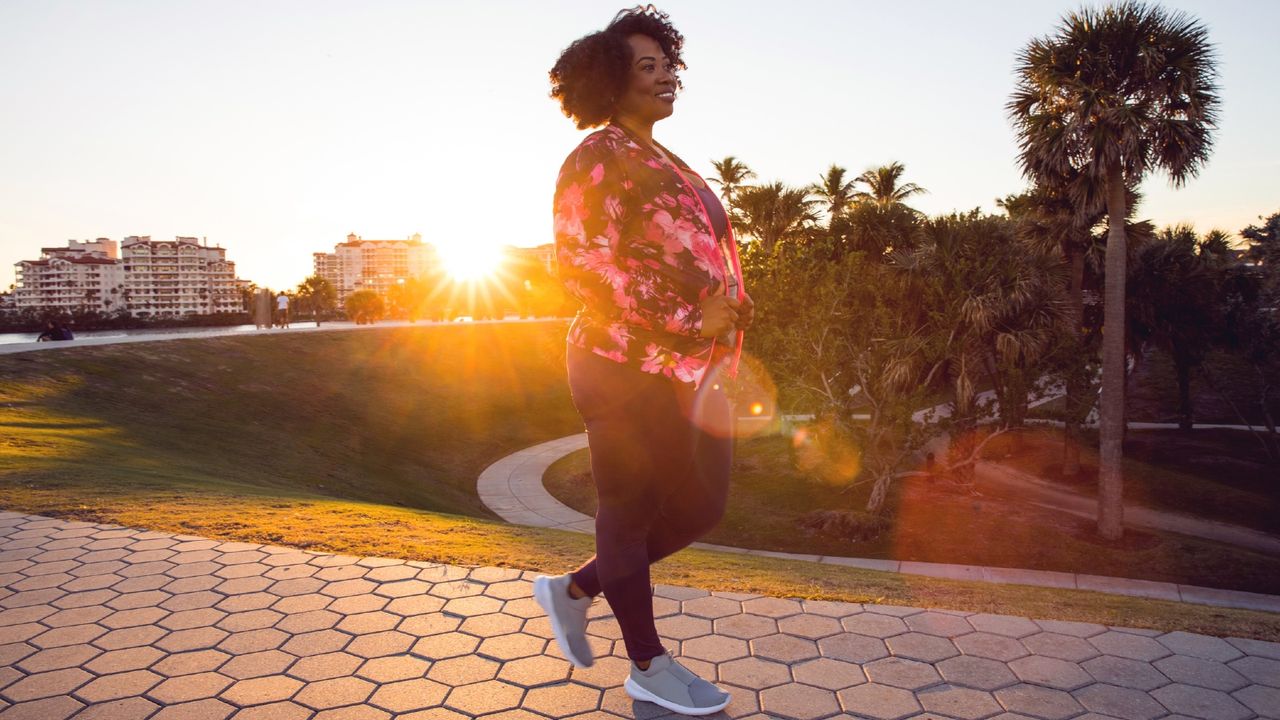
(646, 247)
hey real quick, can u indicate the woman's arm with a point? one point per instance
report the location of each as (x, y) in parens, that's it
(591, 217)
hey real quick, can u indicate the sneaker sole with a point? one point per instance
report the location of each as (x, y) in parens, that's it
(638, 693)
(542, 593)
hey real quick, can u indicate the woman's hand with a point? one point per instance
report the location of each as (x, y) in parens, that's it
(719, 314)
(746, 312)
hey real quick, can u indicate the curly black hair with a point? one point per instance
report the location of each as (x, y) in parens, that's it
(591, 74)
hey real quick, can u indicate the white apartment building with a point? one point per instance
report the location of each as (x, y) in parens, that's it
(377, 265)
(153, 278)
(84, 275)
(182, 276)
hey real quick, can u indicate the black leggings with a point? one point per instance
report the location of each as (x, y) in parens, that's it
(660, 456)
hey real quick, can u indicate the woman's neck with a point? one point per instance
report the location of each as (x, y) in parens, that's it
(644, 130)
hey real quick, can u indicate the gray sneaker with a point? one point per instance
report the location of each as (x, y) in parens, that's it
(568, 617)
(669, 684)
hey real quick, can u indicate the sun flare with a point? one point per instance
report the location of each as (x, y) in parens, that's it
(470, 260)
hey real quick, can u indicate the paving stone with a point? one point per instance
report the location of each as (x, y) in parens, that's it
(1119, 702)
(463, 670)
(754, 672)
(393, 669)
(446, 645)
(976, 672)
(118, 685)
(431, 624)
(258, 664)
(46, 684)
(800, 702)
(562, 700)
(812, 627)
(1200, 672)
(1200, 703)
(1258, 648)
(409, 695)
(683, 627)
(57, 708)
(1039, 702)
(380, 644)
(74, 635)
(58, 658)
(135, 617)
(1050, 672)
(490, 696)
(784, 648)
(255, 691)
(538, 670)
(918, 646)
(512, 646)
(250, 641)
(939, 624)
(853, 648)
(1200, 646)
(711, 607)
(325, 666)
(187, 688)
(130, 707)
(958, 702)
(874, 625)
(829, 674)
(334, 692)
(206, 709)
(1063, 647)
(1134, 647)
(1261, 670)
(1263, 700)
(746, 626)
(902, 673)
(491, 625)
(607, 672)
(316, 643)
(880, 702)
(188, 663)
(1124, 672)
(130, 637)
(1072, 628)
(357, 604)
(113, 661)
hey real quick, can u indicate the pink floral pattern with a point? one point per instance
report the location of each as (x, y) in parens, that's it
(634, 245)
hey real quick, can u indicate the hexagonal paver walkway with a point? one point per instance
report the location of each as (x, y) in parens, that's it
(99, 622)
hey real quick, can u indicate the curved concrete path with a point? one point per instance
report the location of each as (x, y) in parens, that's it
(100, 622)
(512, 488)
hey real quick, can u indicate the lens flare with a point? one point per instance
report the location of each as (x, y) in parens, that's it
(470, 260)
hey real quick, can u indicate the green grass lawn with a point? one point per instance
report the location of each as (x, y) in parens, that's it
(370, 443)
(937, 522)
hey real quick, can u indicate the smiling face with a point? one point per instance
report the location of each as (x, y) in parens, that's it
(651, 89)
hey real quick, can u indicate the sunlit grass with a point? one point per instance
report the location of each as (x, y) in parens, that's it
(370, 443)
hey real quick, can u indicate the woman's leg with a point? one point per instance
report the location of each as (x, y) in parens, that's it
(637, 445)
(691, 497)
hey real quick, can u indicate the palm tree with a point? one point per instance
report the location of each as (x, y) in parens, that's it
(731, 176)
(883, 188)
(1111, 95)
(835, 191)
(774, 214)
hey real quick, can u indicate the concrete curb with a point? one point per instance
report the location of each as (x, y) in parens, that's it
(512, 488)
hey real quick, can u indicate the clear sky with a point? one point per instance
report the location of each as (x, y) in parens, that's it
(275, 128)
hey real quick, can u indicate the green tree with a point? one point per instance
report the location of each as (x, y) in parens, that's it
(775, 214)
(318, 296)
(1113, 94)
(833, 190)
(731, 175)
(365, 307)
(884, 187)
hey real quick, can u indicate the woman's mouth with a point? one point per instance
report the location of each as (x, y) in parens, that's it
(667, 96)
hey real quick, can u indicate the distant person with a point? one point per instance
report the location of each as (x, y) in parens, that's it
(645, 246)
(282, 310)
(64, 332)
(49, 333)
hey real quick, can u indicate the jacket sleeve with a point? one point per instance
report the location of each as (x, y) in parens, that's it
(592, 226)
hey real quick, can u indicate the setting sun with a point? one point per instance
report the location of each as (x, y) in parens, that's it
(470, 260)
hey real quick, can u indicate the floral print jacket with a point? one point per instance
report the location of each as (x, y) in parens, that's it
(635, 245)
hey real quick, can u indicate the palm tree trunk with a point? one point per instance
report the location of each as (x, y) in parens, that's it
(1111, 425)
(1184, 394)
(1076, 387)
